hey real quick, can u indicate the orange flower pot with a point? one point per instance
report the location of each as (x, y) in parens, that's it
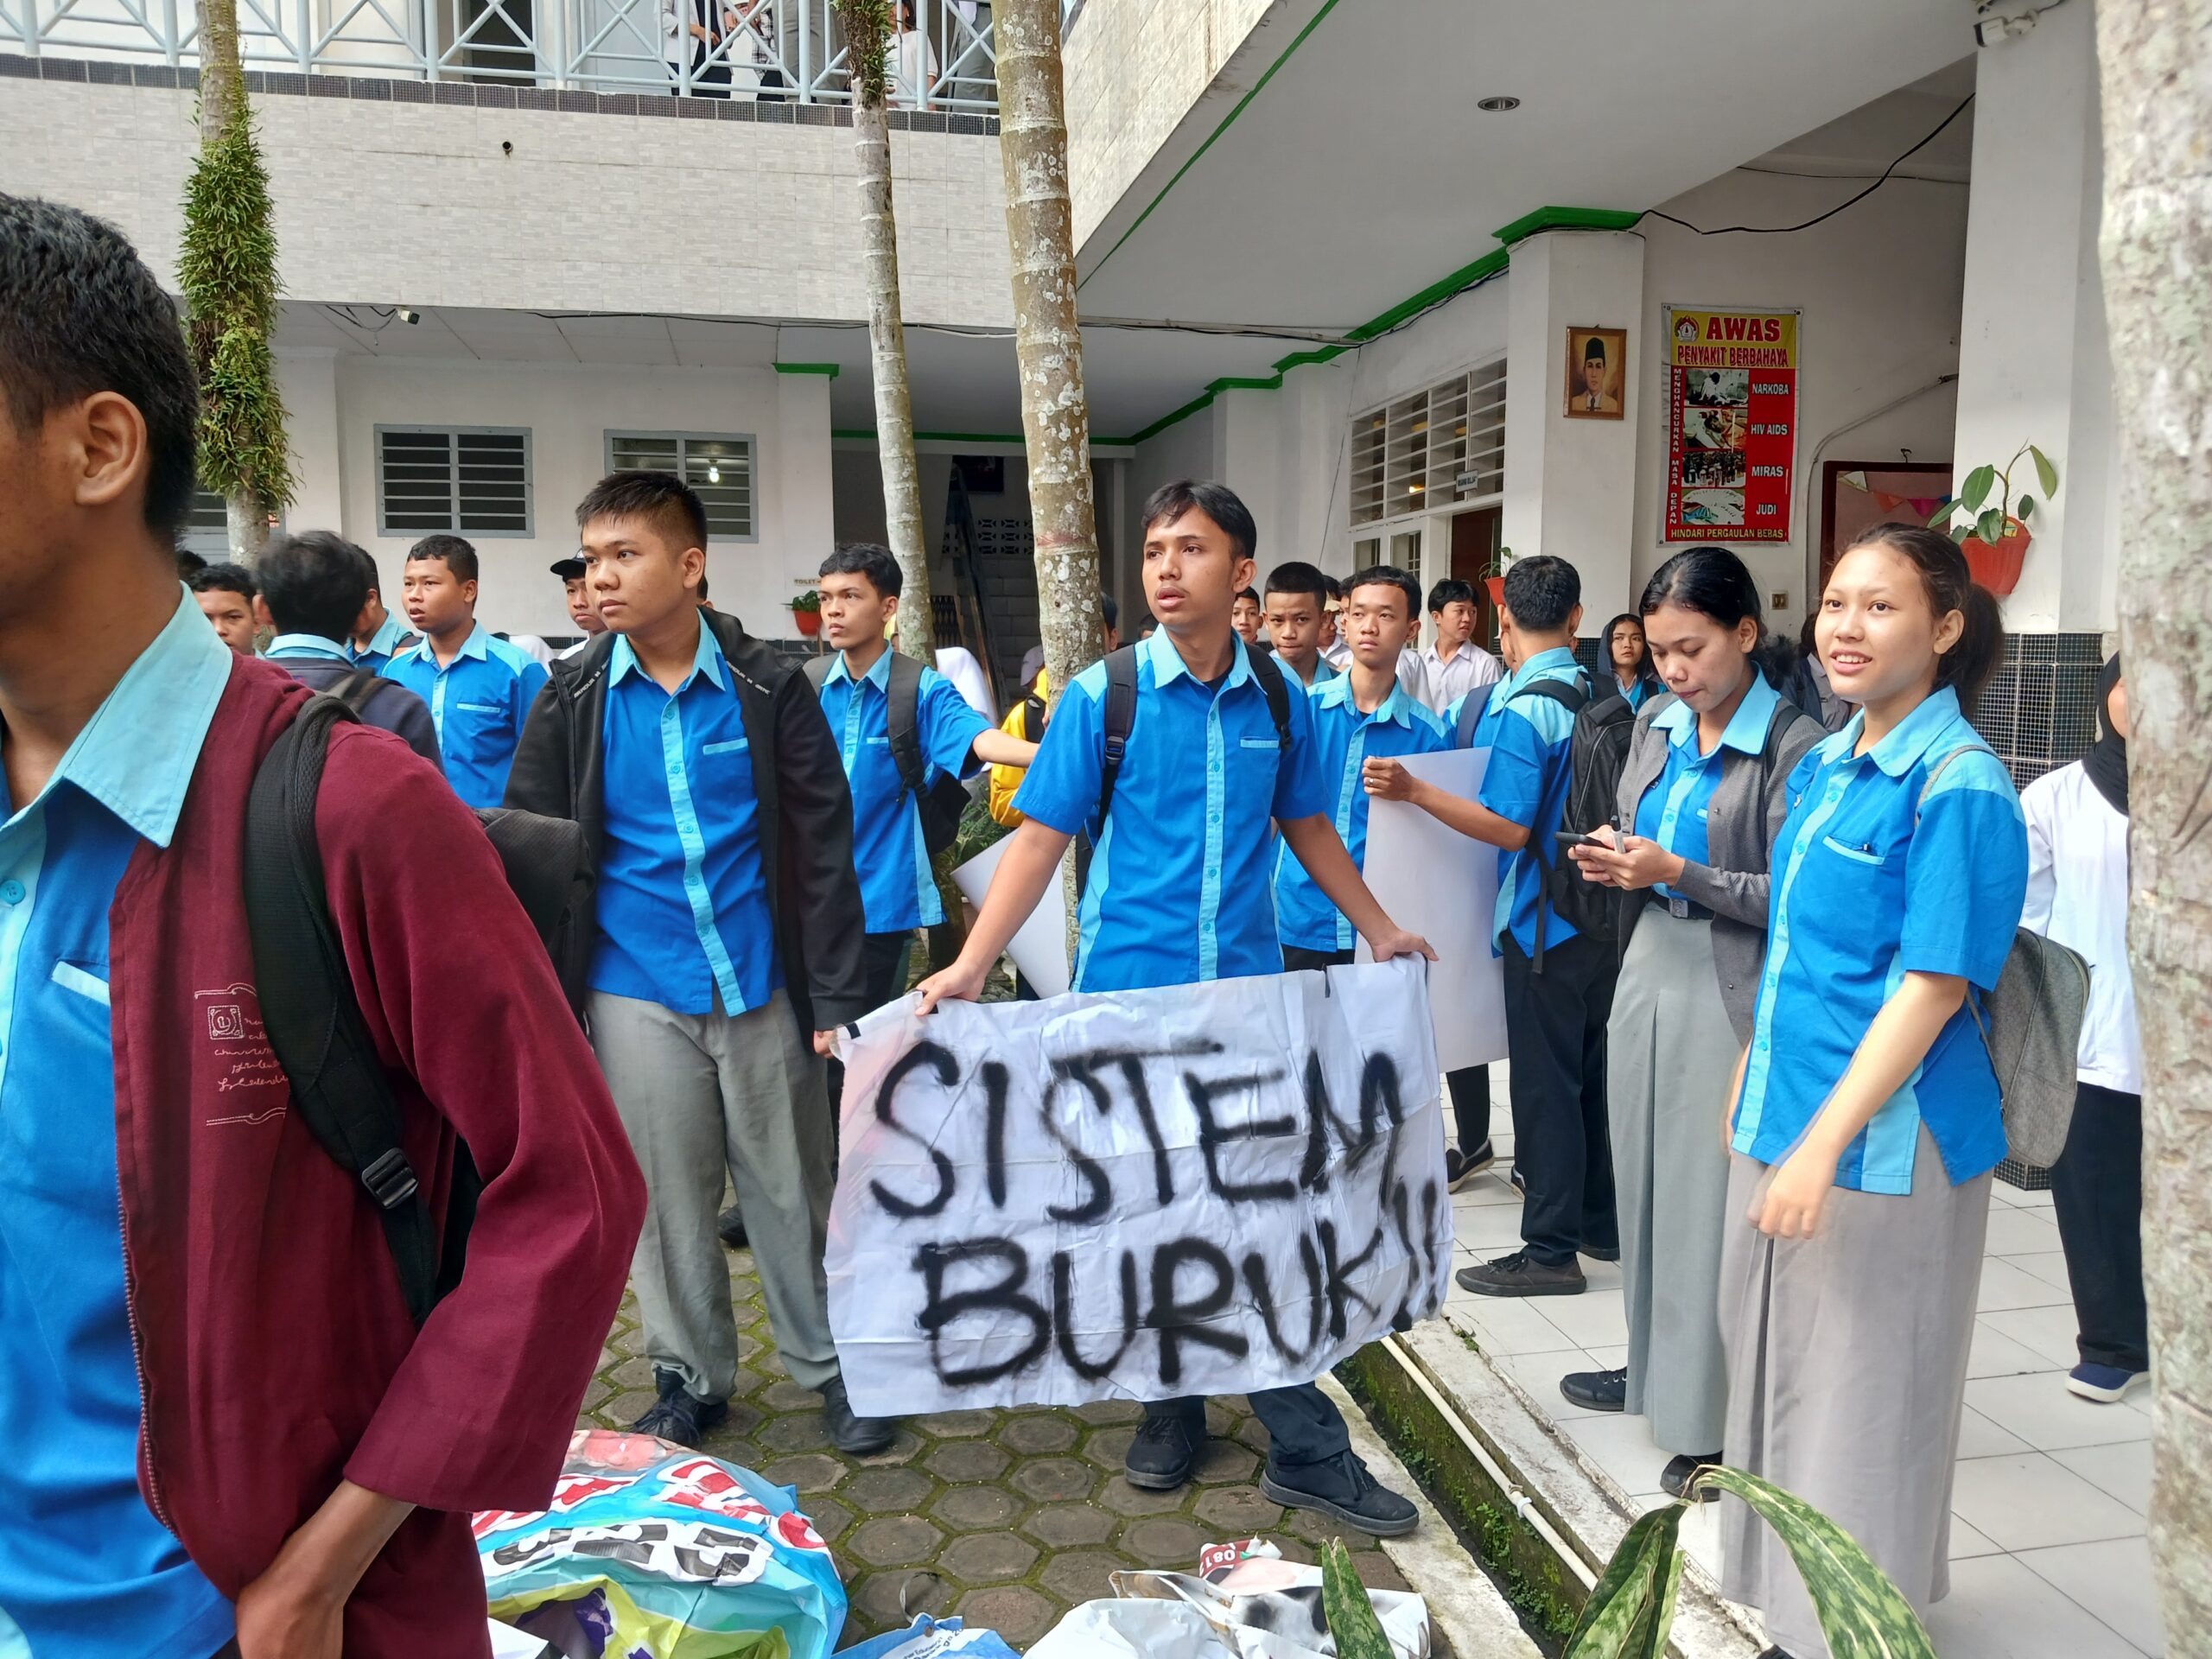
(810, 622)
(1497, 586)
(1996, 565)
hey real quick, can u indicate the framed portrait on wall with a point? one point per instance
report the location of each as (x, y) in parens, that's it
(1596, 373)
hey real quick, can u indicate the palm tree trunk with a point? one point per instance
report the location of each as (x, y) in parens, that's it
(866, 27)
(2156, 64)
(1048, 347)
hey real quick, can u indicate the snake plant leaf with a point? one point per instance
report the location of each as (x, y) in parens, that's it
(1352, 1621)
(2046, 474)
(1862, 1614)
(1632, 1607)
(1975, 490)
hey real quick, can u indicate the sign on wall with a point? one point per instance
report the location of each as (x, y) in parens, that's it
(1732, 414)
(1207, 1189)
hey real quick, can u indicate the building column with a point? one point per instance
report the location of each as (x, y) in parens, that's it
(308, 381)
(2032, 359)
(798, 508)
(1570, 485)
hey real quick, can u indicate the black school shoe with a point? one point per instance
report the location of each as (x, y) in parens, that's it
(731, 1226)
(1597, 1390)
(856, 1437)
(679, 1415)
(1460, 1167)
(1342, 1489)
(1521, 1274)
(1676, 1475)
(1161, 1457)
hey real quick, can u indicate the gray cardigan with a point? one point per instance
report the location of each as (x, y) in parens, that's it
(1749, 804)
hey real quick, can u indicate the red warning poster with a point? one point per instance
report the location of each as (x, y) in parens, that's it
(1732, 414)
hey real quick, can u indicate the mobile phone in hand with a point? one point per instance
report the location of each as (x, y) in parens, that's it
(1576, 838)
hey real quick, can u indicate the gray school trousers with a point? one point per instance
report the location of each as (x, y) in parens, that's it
(700, 1093)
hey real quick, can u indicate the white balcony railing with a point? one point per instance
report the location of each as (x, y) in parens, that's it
(781, 50)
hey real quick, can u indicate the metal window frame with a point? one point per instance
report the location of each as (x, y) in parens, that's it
(528, 532)
(752, 443)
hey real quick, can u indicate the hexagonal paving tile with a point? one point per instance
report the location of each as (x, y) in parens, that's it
(982, 1557)
(830, 1518)
(1053, 1480)
(1036, 1434)
(965, 1461)
(1070, 1526)
(895, 1540)
(887, 1490)
(784, 1394)
(1109, 1411)
(954, 1425)
(1014, 1610)
(1109, 1447)
(977, 1508)
(1237, 1511)
(802, 1432)
(812, 1471)
(1122, 1498)
(1223, 1462)
(1080, 1574)
(889, 1600)
(1166, 1541)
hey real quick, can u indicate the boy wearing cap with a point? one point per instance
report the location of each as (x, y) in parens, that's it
(583, 610)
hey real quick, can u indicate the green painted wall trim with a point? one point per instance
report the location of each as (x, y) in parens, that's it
(829, 370)
(1465, 277)
(1298, 41)
(866, 434)
(1566, 218)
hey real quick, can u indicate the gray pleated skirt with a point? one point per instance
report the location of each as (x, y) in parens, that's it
(1847, 1371)
(1670, 1051)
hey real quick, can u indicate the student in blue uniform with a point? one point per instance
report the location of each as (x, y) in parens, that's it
(1179, 894)
(377, 634)
(1629, 655)
(1867, 1120)
(1555, 1013)
(479, 688)
(1362, 713)
(1702, 794)
(859, 585)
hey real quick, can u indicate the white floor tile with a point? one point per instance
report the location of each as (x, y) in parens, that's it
(2122, 1471)
(1504, 1325)
(2004, 1286)
(1610, 1355)
(1966, 1542)
(1538, 1376)
(2049, 1331)
(1995, 1354)
(2112, 1581)
(2000, 1610)
(2040, 1411)
(1595, 1318)
(1488, 1229)
(2026, 1200)
(2017, 1232)
(1488, 1188)
(2029, 1502)
(1601, 1276)
(1622, 1447)
(2050, 1265)
(1700, 1535)
(1980, 1438)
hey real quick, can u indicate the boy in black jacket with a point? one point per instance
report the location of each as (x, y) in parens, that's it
(714, 801)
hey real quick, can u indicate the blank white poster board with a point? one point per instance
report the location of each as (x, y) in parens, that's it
(1444, 885)
(1040, 947)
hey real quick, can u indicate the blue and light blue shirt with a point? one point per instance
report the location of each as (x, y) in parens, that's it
(1344, 738)
(683, 915)
(1178, 890)
(1673, 811)
(1880, 872)
(898, 892)
(1528, 738)
(375, 656)
(85, 1569)
(477, 703)
(311, 644)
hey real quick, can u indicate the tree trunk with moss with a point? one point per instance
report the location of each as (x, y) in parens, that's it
(227, 270)
(1048, 344)
(867, 25)
(2156, 66)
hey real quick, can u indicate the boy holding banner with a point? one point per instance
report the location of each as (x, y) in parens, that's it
(1364, 712)
(1179, 891)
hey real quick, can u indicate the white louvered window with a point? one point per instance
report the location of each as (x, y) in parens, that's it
(471, 480)
(1434, 449)
(719, 467)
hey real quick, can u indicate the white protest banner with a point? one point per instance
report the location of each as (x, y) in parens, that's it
(1039, 945)
(1204, 1189)
(1445, 885)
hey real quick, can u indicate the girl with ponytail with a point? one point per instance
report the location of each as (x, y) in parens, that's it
(1700, 798)
(1865, 1118)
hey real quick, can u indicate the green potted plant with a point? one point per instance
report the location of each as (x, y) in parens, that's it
(806, 612)
(1994, 535)
(1493, 576)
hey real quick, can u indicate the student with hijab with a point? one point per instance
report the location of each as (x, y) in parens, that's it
(1629, 658)
(2077, 894)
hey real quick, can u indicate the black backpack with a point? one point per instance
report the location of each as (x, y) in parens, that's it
(1121, 711)
(1597, 755)
(313, 1018)
(941, 801)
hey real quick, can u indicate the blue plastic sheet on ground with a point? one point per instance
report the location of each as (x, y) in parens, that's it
(654, 1552)
(932, 1638)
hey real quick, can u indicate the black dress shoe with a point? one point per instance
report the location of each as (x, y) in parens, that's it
(1521, 1274)
(731, 1226)
(1676, 1475)
(678, 1415)
(1596, 1390)
(1460, 1167)
(1161, 1457)
(856, 1437)
(1342, 1489)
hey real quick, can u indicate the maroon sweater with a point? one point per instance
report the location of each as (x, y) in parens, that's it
(275, 1352)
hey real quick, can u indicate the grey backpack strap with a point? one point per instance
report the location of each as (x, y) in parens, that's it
(1121, 720)
(1471, 714)
(902, 720)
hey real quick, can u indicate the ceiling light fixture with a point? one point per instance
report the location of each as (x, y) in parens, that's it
(1496, 106)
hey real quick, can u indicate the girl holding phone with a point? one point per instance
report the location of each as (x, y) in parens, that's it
(1703, 793)
(1865, 1118)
